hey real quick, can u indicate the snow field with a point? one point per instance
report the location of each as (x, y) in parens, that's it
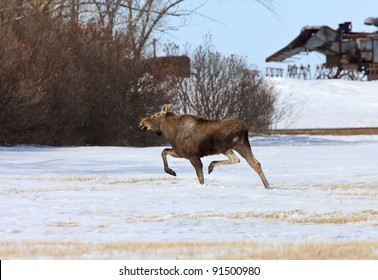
(114, 194)
(117, 202)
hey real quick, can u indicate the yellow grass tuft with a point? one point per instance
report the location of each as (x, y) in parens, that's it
(69, 224)
(134, 180)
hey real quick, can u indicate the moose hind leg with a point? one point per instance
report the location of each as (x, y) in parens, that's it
(246, 153)
(257, 167)
(164, 154)
(197, 164)
(232, 159)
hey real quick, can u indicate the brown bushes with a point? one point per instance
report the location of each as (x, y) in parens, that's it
(61, 84)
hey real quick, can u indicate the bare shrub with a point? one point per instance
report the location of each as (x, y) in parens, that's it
(45, 102)
(224, 86)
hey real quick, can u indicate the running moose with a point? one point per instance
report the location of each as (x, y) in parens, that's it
(193, 137)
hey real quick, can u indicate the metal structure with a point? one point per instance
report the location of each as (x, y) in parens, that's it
(274, 72)
(347, 52)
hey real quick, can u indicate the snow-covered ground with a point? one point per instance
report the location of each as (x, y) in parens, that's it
(328, 103)
(324, 188)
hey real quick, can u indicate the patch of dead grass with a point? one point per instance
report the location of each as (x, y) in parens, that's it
(292, 216)
(20, 190)
(190, 250)
(134, 180)
(79, 178)
(74, 188)
(347, 186)
(66, 224)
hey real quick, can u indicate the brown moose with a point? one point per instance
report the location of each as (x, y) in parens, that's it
(193, 137)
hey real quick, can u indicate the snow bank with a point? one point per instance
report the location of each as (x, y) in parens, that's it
(328, 103)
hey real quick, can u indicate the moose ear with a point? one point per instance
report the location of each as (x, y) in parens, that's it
(166, 108)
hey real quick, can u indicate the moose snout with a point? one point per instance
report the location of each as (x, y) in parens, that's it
(143, 126)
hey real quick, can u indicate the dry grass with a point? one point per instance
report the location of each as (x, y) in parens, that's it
(68, 178)
(189, 250)
(105, 181)
(293, 217)
(66, 224)
(348, 187)
(134, 180)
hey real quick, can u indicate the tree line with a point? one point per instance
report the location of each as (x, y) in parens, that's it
(72, 73)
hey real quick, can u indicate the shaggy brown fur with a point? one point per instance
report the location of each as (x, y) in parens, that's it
(193, 137)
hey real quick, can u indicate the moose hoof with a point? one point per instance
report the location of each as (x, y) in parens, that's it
(170, 172)
(211, 168)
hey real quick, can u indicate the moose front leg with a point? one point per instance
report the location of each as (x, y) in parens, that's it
(196, 162)
(164, 154)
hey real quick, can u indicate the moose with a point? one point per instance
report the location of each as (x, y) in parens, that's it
(193, 137)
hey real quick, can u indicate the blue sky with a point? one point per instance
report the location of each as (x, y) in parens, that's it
(247, 28)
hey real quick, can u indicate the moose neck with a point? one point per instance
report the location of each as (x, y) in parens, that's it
(169, 127)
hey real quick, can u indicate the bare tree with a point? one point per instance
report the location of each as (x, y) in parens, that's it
(138, 19)
(224, 86)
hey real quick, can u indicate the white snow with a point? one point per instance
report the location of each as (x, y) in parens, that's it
(328, 103)
(111, 194)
